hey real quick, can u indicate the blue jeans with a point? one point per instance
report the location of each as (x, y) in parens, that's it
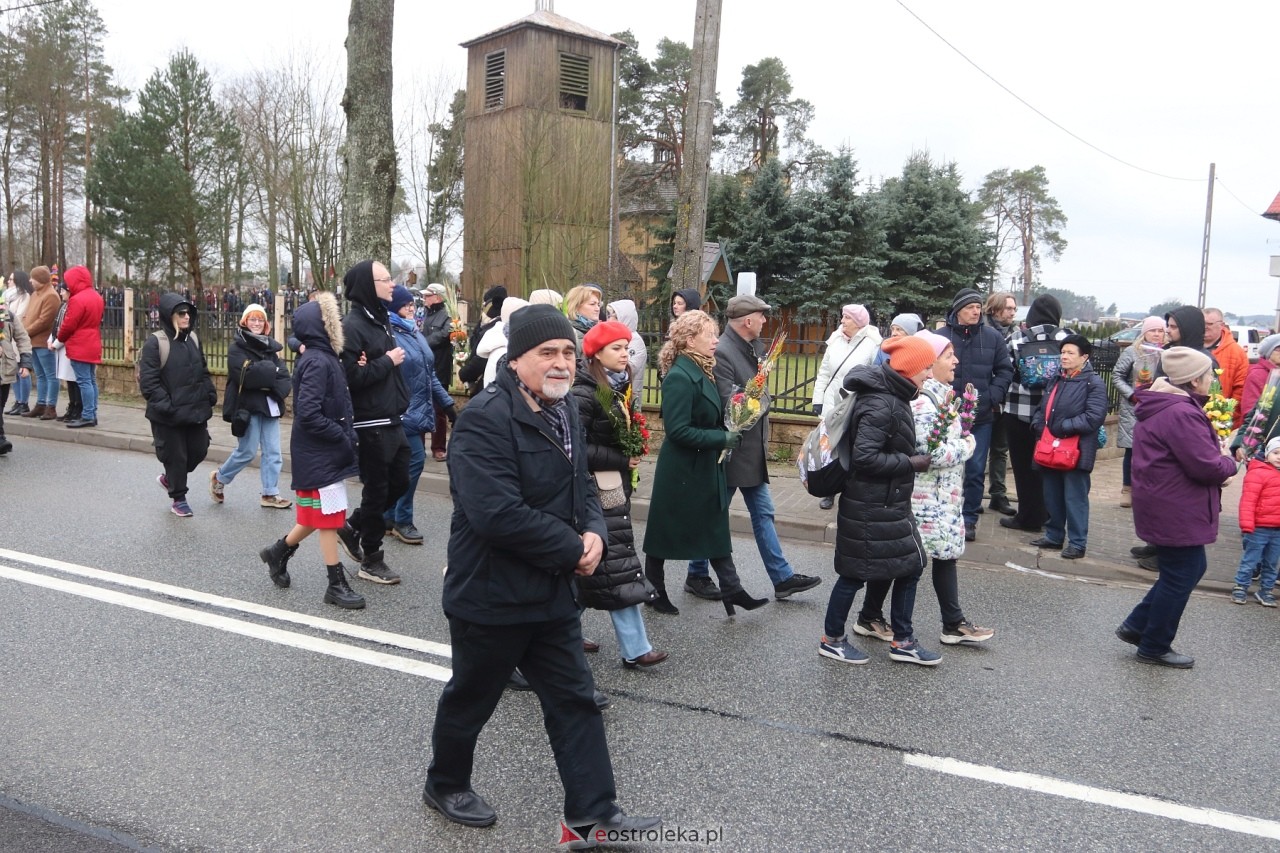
(22, 389)
(46, 364)
(1066, 496)
(401, 511)
(264, 432)
(760, 505)
(975, 472)
(1157, 616)
(87, 381)
(628, 626)
(901, 607)
(1261, 550)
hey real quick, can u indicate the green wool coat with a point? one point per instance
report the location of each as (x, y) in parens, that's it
(689, 509)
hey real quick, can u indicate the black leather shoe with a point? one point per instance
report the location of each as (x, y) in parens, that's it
(1002, 506)
(1149, 563)
(619, 823)
(464, 807)
(826, 503)
(80, 423)
(517, 681)
(1140, 551)
(1041, 542)
(1170, 659)
(970, 532)
(702, 586)
(795, 583)
(1070, 553)
(1128, 635)
(602, 701)
(1014, 524)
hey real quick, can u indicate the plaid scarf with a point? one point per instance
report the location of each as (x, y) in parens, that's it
(556, 415)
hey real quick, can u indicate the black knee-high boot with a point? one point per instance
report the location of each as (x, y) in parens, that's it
(655, 571)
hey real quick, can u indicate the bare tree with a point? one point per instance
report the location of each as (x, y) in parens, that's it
(429, 132)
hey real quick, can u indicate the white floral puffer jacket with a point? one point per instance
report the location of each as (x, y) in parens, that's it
(938, 495)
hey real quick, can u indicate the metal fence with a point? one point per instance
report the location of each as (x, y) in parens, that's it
(793, 379)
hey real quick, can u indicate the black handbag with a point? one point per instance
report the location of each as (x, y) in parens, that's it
(240, 423)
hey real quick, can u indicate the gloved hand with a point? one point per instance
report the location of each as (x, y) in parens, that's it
(451, 412)
(920, 462)
(817, 409)
(732, 440)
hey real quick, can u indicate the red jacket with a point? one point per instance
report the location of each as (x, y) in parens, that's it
(81, 326)
(1260, 500)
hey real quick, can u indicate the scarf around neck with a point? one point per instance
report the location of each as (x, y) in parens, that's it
(706, 362)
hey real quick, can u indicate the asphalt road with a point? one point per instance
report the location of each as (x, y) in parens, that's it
(157, 717)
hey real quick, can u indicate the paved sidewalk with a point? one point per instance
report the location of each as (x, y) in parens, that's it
(123, 427)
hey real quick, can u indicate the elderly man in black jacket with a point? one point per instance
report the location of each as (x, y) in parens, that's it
(371, 357)
(984, 364)
(526, 520)
(737, 361)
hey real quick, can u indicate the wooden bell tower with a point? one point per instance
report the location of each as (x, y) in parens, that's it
(539, 155)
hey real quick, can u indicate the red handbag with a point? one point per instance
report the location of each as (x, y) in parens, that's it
(1059, 454)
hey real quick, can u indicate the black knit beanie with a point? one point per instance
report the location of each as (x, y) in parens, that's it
(535, 324)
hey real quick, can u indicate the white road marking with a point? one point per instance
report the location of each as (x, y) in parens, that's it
(1040, 572)
(1101, 796)
(359, 632)
(397, 663)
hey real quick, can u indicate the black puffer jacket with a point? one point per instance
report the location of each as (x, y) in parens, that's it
(876, 536)
(254, 372)
(182, 393)
(378, 393)
(322, 444)
(435, 328)
(619, 581)
(1079, 408)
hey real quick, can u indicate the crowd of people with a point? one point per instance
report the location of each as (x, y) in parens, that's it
(542, 464)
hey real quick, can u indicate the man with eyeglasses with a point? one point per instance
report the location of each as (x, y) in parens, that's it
(175, 381)
(1001, 309)
(372, 358)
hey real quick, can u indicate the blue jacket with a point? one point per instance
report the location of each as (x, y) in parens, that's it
(419, 374)
(984, 364)
(1079, 408)
(322, 444)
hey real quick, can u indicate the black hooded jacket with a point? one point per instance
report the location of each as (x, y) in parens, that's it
(181, 393)
(254, 372)
(473, 371)
(378, 393)
(1190, 320)
(322, 443)
(876, 537)
(692, 301)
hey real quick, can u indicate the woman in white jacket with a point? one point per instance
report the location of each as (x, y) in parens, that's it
(493, 345)
(855, 342)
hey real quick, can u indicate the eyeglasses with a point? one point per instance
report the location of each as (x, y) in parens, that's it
(385, 280)
(182, 312)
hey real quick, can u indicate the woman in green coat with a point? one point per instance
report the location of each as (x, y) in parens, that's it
(689, 508)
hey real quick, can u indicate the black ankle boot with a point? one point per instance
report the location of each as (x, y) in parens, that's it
(655, 573)
(5, 445)
(72, 413)
(277, 559)
(741, 599)
(340, 592)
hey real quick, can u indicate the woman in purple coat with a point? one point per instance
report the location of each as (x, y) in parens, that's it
(1179, 469)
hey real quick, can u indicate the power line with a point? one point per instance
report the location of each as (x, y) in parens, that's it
(1242, 203)
(1031, 107)
(30, 5)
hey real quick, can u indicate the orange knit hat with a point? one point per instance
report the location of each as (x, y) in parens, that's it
(908, 356)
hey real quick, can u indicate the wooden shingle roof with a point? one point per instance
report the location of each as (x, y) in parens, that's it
(546, 20)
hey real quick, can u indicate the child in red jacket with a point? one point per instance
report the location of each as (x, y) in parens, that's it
(1260, 523)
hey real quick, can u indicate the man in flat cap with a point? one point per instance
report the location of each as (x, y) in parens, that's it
(526, 520)
(436, 326)
(737, 361)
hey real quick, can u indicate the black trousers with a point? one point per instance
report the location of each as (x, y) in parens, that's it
(551, 658)
(383, 455)
(1031, 509)
(180, 449)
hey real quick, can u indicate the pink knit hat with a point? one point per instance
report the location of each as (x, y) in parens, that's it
(1153, 323)
(938, 342)
(858, 314)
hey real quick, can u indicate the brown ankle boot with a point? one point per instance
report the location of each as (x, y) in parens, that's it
(36, 411)
(50, 413)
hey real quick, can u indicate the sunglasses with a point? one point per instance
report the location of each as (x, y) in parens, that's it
(182, 312)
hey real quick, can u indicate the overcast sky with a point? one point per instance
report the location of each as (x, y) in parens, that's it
(1165, 88)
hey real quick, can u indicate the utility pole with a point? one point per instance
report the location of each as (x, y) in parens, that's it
(1204, 253)
(699, 114)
